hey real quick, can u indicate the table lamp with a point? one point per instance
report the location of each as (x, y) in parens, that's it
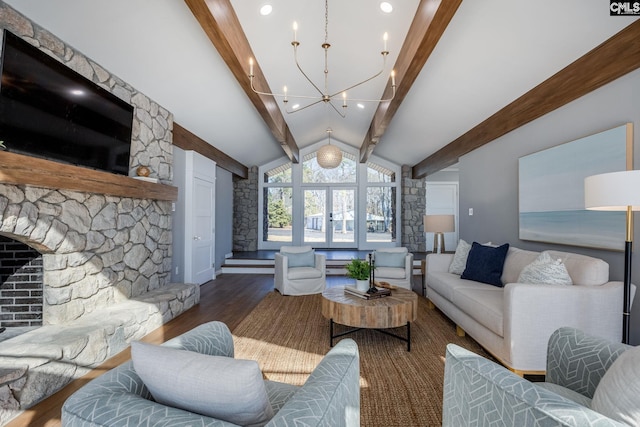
(617, 191)
(439, 224)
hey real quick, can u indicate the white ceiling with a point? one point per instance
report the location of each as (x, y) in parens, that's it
(492, 52)
(355, 32)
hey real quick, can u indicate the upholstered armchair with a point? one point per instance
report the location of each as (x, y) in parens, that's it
(394, 265)
(589, 381)
(125, 396)
(299, 271)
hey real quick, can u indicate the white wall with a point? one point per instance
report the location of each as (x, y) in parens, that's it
(445, 175)
(489, 175)
(224, 215)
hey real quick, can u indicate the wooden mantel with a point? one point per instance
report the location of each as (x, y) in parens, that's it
(19, 169)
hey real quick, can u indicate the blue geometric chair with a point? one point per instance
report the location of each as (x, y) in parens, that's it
(479, 392)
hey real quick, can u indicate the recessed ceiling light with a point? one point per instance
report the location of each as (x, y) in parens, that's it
(386, 7)
(360, 105)
(295, 106)
(266, 10)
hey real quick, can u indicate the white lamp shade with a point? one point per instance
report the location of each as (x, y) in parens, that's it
(329, 156)
(439, 223)
(613, 191)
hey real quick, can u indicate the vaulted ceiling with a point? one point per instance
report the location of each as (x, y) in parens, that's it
(467, 71)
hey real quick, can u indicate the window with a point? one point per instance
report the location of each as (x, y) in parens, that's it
(381, 204)
(278, 175)
(377, 173)
(277, 209)
(352, 206)
(312, 173)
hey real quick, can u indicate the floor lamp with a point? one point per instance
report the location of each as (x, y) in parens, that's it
(439, 224)
(617, 191)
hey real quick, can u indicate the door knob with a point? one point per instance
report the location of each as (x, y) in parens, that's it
(197, 238)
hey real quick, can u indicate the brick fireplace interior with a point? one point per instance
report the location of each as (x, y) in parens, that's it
(21, 273)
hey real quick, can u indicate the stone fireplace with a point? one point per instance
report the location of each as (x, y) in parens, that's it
(106, 264)
(97, 250)
(104, 242)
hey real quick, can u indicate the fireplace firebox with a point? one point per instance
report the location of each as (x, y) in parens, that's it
(21, 275)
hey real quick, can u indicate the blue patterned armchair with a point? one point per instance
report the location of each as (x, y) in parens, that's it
(330, 396)
(479, 392)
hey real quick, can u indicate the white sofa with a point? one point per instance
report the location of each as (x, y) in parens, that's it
(514, 322)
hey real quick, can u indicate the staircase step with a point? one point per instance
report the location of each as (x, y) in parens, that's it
(255, 266)
(247, 261)
(248, 268)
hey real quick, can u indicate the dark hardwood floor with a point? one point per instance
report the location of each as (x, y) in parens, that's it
(229, 299)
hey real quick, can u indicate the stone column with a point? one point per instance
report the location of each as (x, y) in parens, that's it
(245, 212)
(413, 210)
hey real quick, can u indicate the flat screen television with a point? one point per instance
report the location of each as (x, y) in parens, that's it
(49, 111)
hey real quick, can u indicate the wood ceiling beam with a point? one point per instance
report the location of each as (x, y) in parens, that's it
(431, 19)
(612, 59)
(220, 22)
(186, 140)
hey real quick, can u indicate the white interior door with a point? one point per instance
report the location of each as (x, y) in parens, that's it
(442, 199)
(203, 240)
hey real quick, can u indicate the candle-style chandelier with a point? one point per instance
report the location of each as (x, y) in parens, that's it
(323, 94)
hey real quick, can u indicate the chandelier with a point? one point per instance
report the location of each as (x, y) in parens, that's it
(329, 156)
(324, 95)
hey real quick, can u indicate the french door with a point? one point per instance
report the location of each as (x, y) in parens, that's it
(330, 217)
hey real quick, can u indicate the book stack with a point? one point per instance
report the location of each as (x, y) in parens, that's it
(382, 292)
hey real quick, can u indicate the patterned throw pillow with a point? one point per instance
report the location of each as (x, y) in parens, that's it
(459, 261)
(545, 271)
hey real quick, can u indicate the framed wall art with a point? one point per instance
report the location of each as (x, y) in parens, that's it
(551, 191)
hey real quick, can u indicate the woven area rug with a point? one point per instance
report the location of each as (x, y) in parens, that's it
(288, 336)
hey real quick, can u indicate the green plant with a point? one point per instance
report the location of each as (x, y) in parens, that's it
(358, 269)
(278, 215)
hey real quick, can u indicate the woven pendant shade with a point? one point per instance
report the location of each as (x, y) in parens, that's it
(329, 156)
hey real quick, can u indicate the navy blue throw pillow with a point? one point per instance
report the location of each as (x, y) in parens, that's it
(485, 264)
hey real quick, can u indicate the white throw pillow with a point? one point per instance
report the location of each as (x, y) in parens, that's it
(618, 393)
(225, 388)
(545, 271)
(459, 261)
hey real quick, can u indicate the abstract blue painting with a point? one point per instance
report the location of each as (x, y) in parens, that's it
(551, 191)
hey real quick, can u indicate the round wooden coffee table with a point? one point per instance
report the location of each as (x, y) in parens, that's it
(399, 309)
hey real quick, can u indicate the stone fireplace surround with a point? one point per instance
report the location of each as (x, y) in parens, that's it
(106, 255)
(106, 265)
